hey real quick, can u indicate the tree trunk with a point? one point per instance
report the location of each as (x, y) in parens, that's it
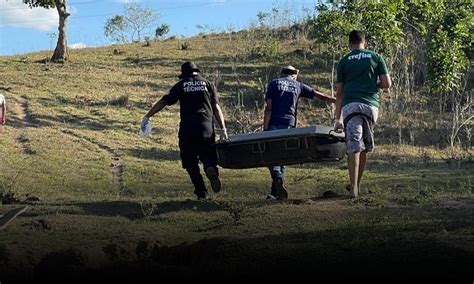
(61, 53)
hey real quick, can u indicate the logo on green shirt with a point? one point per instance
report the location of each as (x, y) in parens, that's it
(359, 56)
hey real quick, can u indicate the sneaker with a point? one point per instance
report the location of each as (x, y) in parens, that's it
(213, 177)
(280, 190)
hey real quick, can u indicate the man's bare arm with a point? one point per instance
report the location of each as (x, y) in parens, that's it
(156, 108)
(219, 116)
(327, 98)
(4, 111)
(339, 97)
(385, 81)
(267, 114)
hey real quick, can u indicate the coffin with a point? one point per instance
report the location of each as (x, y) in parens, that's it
(316, 143)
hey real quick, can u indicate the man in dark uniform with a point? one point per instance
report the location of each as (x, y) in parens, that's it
(198, 107)
(280, 113)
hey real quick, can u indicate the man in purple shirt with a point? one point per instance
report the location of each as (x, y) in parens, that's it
(280, 113)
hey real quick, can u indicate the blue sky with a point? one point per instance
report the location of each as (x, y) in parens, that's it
(25, 30)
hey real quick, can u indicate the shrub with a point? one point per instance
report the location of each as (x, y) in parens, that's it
(185, 45)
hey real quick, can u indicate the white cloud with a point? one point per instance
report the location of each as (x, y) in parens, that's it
(77, 45)
(15, 13)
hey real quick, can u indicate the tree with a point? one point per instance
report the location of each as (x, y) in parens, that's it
(450, 47)
(162, 30)
(138, 18)
(134, 21)
(331, 27)
(116, 28)
(60, 52)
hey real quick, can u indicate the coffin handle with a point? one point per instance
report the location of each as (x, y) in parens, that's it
(289, 145)
(258, 147)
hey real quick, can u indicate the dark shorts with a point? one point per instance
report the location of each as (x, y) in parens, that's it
(195, 149)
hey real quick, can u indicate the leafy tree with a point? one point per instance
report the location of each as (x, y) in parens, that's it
(162, 30)
(61, 50)
(446, 26)
(116, 28)
(134, 21)
(450, 47)
(138, 18)
(331, 27)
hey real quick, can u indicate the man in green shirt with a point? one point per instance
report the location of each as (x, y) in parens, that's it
(360, 75)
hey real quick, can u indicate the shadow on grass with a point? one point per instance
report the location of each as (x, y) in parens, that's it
(153, 154)
(356, 250)
(83, 122)
(136, 210)
(17, 123)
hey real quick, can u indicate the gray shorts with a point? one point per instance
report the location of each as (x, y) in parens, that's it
(358, 140)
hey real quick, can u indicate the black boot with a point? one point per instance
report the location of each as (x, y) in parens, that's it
(198, 182)
(213, 176)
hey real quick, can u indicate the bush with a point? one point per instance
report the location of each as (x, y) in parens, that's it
(269, 49)
(185, 45)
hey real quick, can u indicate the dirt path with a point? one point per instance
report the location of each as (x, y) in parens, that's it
(19, 107)
(116, 161)
(21, 111)
(24, 113)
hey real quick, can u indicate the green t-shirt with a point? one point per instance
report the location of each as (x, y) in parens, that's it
(358, 71)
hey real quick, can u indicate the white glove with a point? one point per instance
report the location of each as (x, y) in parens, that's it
(338, 126)
(145, 121)
(145, 127)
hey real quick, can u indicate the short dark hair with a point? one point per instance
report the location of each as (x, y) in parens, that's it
(356, 37)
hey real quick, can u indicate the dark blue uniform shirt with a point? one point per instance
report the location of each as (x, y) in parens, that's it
(284, 93)
(197, 97)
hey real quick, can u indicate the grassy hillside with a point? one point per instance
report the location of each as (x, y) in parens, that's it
(114, 204)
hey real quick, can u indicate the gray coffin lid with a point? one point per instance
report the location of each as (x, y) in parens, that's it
(282, 133)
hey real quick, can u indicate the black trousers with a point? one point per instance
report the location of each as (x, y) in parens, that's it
(195, 149)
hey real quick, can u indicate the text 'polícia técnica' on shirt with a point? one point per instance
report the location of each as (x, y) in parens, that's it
(194, 86)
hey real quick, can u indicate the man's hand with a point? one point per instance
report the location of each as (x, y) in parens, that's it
(145, 121)
(338, 125)
(223, 134)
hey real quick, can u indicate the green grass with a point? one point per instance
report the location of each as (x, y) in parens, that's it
(419, 211)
